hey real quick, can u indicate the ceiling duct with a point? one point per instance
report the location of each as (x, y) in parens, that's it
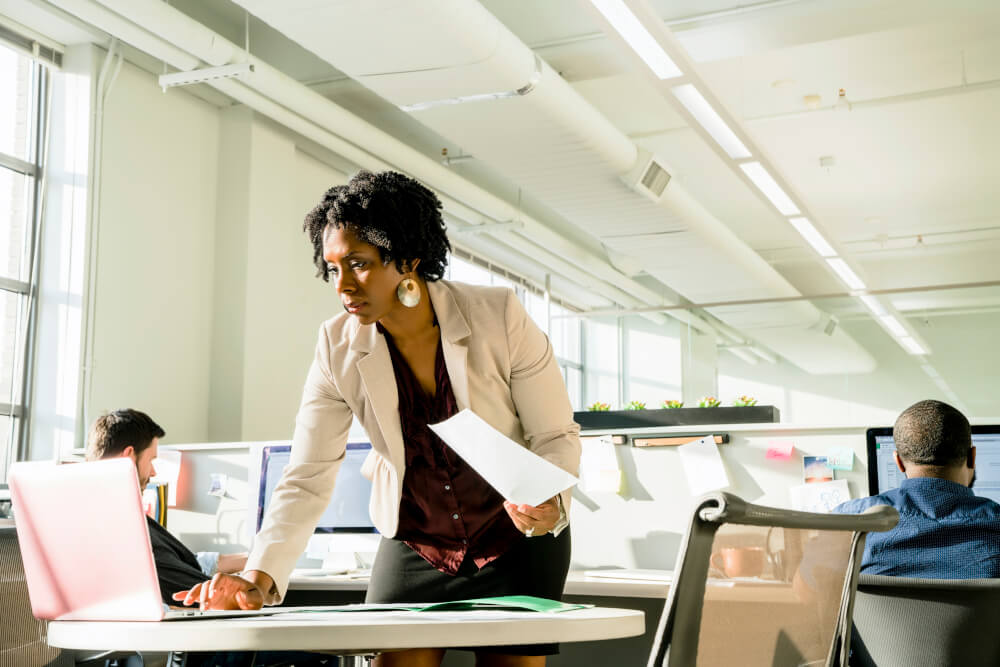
(648, 177)
(556, 145)
(549, 140)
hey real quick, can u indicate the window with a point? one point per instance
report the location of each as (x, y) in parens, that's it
(565, 332)
(22, 95)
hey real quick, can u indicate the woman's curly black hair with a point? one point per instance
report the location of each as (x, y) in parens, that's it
(393, 212)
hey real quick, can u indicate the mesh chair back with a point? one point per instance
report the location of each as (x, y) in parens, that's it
(22, 637)
(756, 585)
(913, 622)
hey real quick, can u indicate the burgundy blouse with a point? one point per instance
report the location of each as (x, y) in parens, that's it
(447, 512)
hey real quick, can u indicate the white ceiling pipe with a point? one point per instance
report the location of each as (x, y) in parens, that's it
(117, 26)
(568, 270)
(392, 153)
(497, 54)
(451, 65)
(153, 45)
(140, 38)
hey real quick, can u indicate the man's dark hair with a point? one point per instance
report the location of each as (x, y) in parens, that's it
(392, 212)
(111, 433)
(932, 433)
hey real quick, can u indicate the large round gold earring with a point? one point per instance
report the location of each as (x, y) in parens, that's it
(408, 292)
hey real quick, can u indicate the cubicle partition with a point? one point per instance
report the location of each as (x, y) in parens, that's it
(636, 525)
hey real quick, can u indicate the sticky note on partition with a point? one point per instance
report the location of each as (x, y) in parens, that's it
(840, 458)
(780, 449)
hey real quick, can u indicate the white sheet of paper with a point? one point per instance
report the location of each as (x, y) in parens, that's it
(819, 496)
(519, 475)
(599, 471)
(703, 465)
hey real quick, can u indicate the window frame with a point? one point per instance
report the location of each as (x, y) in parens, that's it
(27, 290)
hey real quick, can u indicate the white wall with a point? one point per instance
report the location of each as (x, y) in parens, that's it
(155, 255)
(207, 306)
(286, 303)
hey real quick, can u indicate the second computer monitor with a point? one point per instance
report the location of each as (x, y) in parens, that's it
(884, 475)
(348, 508)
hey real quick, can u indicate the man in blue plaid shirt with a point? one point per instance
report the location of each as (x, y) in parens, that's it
(945, 531)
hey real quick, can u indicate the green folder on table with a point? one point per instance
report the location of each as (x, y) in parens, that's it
(503, 603)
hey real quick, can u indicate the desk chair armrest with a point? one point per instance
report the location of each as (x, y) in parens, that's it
(722, 507)
(871, 581)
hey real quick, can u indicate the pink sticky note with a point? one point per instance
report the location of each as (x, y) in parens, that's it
(780, 449)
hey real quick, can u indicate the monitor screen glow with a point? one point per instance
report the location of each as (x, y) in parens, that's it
(883, 474)
(348, 508)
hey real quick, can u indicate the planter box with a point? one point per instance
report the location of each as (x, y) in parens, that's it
(624, 419)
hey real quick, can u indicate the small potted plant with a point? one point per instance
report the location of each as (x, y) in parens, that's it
(744, 401)
(671, 404)
(597, 406)
(709, 402)
(635, 405)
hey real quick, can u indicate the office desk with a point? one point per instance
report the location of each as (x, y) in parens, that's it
(350, 632)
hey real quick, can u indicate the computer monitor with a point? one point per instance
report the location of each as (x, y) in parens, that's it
(884, 475)
(348, 508)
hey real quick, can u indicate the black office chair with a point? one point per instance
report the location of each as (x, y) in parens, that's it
(781, 592)
(902, 622)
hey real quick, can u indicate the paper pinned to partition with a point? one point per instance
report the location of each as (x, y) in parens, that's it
(703, 465)
(599, 470)
(519, 475)
(819, 496)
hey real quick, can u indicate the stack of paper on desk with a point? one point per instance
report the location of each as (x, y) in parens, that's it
(519, 475)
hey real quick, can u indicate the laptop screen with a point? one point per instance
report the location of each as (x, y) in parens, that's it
(884, 475)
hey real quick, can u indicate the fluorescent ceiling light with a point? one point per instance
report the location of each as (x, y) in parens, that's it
(765, 183)
(709, 118)
(930, 370)
(628, 26)
(204, 74)
(911, 345)
(894, 327)
(845, 272)
(812, 235)
(873, 304)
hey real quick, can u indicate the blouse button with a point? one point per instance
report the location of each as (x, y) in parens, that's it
(454, 516)
(447, 487)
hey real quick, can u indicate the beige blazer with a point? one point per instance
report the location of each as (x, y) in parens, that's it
(501, 367)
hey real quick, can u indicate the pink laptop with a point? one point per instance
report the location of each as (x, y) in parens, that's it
(85, 544)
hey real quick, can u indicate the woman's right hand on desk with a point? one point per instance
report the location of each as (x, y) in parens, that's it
(227, 591)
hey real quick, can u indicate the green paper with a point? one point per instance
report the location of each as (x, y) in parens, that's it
(504, 603)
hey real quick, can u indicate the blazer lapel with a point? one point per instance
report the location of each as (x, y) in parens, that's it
(379, 382)
(455, 332)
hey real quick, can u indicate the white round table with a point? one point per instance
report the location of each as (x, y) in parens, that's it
(349, 632)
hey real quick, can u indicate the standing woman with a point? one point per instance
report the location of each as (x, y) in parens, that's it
(412, 350)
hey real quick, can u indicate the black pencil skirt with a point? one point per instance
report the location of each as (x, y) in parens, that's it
(534, 566)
